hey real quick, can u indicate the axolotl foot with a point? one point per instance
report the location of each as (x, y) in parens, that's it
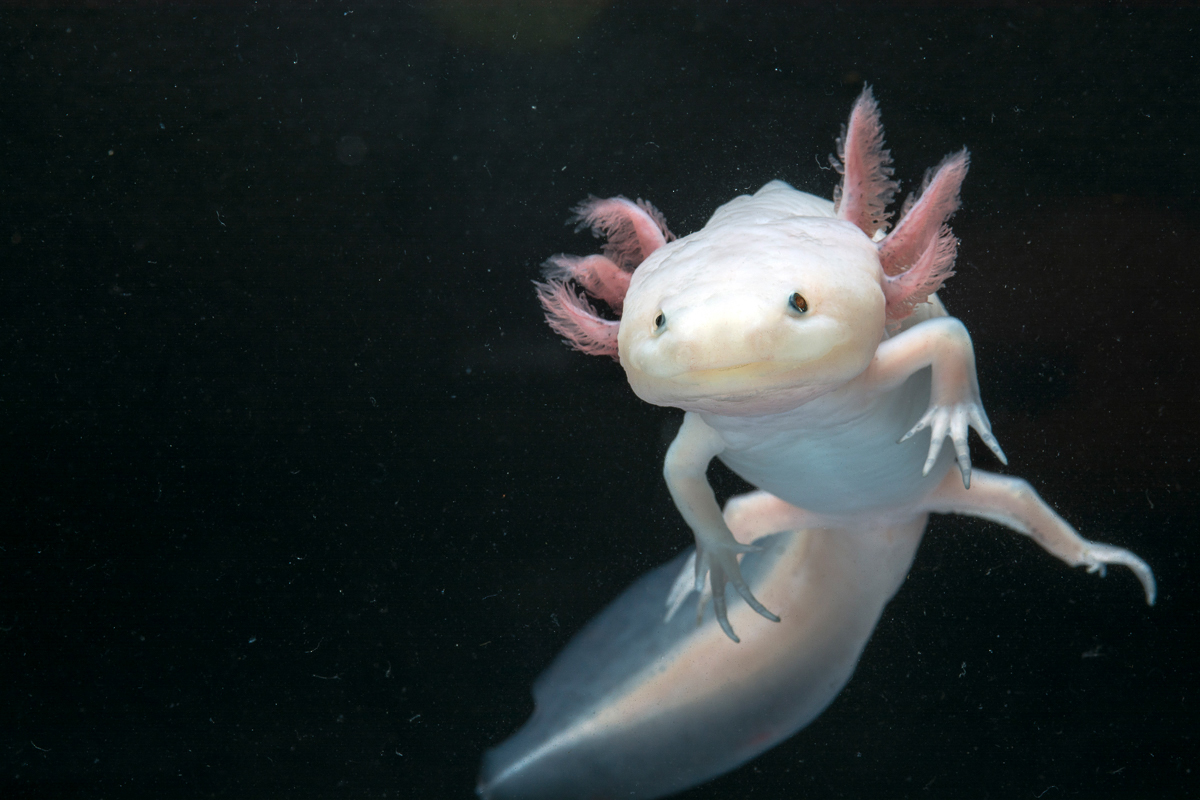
(720, 564)
(1097, 556)
(956, 419)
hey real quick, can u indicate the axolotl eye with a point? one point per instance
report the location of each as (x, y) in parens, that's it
(660, 322)
(797, 303)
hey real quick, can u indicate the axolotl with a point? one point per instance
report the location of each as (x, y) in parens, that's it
(805, 343)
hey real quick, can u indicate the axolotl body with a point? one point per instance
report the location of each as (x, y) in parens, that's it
(806, 344)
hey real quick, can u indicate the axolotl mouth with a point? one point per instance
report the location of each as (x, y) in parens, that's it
(753, 372)
(747, 371)
(754, 381)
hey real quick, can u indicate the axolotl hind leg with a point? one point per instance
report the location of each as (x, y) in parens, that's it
(1013, 503)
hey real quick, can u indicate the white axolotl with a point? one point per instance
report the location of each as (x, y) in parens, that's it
(810, 354)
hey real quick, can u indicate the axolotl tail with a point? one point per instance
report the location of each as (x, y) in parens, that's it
(639, 707)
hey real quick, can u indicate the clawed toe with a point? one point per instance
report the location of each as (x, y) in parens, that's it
(722, 568)
(955, 421)
(979, 422)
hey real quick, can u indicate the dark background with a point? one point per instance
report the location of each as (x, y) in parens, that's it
(299, 494)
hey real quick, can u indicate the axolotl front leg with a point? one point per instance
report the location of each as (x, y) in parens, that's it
(954, 404)
(685, 470)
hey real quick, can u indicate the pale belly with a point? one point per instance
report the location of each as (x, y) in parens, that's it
(842, 458)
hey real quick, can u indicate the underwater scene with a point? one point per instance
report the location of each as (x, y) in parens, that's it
(533, 399)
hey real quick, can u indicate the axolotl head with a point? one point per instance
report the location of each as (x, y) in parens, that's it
(753, 317)
(780, 298)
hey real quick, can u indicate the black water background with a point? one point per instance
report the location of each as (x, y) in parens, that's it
(299, 494)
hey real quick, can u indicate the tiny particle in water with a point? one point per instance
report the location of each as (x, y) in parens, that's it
(351, 150)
